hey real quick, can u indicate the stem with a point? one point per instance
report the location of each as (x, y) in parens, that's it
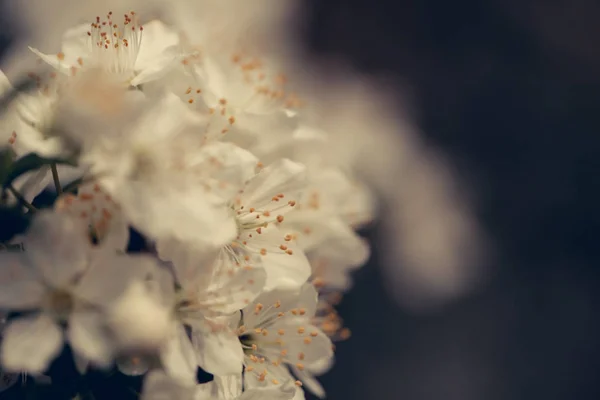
(56, 181)
(21, 199)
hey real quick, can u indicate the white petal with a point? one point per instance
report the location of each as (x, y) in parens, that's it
(282, 177)
(76, 43)
(52, 60)
(159, 67)
(303, 301)
(89, 337)
(157, 39)
(33, 183)
(191, 261)
(310, 383)
(233, 287)
(178, 357)
(19, 287)
(30, 344)
(218, 351)
(99, 286)
(56, 248)
(179, 215)
(286, 267)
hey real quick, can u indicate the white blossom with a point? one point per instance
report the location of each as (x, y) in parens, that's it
(61, 278)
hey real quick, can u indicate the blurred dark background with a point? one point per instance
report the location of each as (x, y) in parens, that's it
(509, 90)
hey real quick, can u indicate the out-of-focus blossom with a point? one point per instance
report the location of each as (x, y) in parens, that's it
(63, 279)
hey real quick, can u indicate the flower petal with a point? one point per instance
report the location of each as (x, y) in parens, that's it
(19, 287)
(178, 357)
(30, 344)
(89, 337)
(56, 248)
(232, 286)
(283, 177)
(218, 350)
(285, 263)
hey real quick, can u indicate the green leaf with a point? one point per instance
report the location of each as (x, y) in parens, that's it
(31, 162)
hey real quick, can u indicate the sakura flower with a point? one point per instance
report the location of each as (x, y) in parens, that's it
(167, 184)
(276, 333)
(211, 286)
(101, 215)
(25, 127)
(242, 90)
(260, 208)
(133, 53)
(322, 224)
(159, 334)
(61, 279)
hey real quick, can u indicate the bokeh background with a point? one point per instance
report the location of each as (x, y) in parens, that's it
(509, 91)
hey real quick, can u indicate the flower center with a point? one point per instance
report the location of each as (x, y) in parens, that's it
(59, 302)
(115, 47)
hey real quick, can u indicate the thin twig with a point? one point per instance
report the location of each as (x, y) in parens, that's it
(21, 199)
(56, 181)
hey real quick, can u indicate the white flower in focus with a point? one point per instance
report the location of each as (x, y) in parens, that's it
(276, 333)
(209, 288)
(245, 90)
(121, 46)
(260, 208)
(62, 279)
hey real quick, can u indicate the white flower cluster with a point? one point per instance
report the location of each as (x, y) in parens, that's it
(203, 150)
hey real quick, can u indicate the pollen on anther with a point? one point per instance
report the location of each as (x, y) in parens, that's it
(263, 251)
(280, 218)
(289, 251)
(307, 340)
(60, 56)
